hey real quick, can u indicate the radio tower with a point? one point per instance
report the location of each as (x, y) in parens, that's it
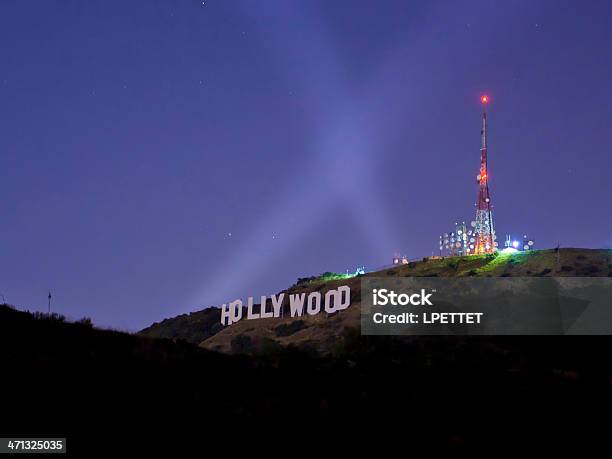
(485, 235)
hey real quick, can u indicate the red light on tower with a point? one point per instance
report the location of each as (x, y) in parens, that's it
(484, 99)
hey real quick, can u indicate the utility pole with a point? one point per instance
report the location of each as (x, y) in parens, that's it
(49, 304)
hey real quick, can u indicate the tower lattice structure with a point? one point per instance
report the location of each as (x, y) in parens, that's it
(483, 229)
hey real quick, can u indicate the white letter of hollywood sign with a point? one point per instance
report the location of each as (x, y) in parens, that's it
(333, 301)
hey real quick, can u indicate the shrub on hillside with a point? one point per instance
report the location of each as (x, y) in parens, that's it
(290, 328)
(268, 346)
(241, 344)
(85, 321)
(54, 316)
(591, 269)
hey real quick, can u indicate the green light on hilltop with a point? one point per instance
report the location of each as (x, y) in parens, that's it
(497, 259)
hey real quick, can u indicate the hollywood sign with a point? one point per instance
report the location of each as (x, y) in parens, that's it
(333, 301)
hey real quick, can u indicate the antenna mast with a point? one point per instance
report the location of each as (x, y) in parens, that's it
(485, 235)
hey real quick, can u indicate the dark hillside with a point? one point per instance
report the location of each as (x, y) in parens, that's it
(74, 380)
(194, 327)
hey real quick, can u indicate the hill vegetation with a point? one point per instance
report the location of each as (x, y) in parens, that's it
(323, 334)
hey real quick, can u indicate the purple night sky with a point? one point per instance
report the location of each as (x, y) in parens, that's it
(158, 157)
